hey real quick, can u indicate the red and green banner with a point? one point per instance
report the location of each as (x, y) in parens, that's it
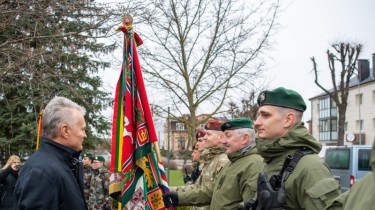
(133, 133)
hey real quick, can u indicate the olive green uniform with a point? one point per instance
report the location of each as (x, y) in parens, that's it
(235, 184)
(311, 185)
(361, 195)
(214, 160)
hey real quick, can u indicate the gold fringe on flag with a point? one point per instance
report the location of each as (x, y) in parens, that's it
(39, 130)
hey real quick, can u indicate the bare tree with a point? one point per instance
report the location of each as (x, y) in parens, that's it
(249, 107)
(346, 55)
(197, 52)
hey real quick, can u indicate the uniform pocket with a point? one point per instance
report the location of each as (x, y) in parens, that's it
(324, 192)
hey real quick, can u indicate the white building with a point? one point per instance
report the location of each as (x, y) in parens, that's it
(360, 113)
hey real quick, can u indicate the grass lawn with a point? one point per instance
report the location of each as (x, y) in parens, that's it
(176, 178)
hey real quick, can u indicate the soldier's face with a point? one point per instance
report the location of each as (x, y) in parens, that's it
(212, 139)
(233, 141)
(271, 123)
(96, 164)
(86, 161)
(200, 144)
(195, 155)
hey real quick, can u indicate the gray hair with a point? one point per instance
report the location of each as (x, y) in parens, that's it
(59, 110)
(247, 131)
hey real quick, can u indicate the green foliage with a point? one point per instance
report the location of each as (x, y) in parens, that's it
(51, 48)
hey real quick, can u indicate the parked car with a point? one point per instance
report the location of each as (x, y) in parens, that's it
(349, 163)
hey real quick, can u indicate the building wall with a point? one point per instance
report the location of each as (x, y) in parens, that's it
(366, 110)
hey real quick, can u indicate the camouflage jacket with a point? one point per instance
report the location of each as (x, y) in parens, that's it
(99, 194)
(87, 174)
(213, 159)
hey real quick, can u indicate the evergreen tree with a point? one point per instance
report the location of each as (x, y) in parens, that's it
(50, 48)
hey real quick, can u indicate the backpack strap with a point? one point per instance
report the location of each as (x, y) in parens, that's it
(293, 162)
(277, 181)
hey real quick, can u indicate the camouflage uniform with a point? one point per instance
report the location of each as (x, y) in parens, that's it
(87, 174)
(99, 193)
(213, 159)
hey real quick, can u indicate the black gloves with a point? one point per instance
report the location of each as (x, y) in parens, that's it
(194, 175)
(170, 199)
(268, 198)
(187, 178)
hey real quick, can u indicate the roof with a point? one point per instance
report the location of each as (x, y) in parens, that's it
(352, 83)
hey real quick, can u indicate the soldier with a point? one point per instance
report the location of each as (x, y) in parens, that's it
(294, 176)
(236, 182)
(213, 158)
(361, 195)
(87, 174)
(99, 194)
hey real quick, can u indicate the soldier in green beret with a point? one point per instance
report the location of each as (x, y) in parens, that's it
(294, 176)
(87, 174)
(236, 183)
(99, 193)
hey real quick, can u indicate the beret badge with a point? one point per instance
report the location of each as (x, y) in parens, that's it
(262, 97)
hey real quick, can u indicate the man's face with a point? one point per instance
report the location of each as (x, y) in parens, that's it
(86, 161)
(270, 123)
(232, 141)
(212, 138)
(77, 133)
(96, 164)
(200, 144)
(195, 155)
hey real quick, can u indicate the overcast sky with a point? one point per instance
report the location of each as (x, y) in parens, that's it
(307, 29)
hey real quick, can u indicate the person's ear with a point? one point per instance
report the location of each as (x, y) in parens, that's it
(64, 130)
(290, 119)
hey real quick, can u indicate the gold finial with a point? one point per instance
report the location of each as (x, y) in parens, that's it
(127, 19)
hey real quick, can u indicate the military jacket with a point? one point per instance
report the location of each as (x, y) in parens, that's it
(87, 174)
(361, 195)
(99, 193)
(311, 185)
(235, 184)
(214, 160)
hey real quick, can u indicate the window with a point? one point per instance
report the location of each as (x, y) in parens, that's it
(359, 124)
(202, 126)
(180, 127)
(338, 159)
(181, 142)
(358, 99)
(364, 159)
(346, 126)
(327, 108)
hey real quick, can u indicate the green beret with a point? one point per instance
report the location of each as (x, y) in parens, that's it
(89, 155)
(282, 97)
(100, 158)
(237, 123)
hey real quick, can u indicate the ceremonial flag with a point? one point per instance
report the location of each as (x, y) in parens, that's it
(133, 132)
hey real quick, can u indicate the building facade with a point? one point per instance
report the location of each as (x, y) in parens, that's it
(360, 114)
(178, 133)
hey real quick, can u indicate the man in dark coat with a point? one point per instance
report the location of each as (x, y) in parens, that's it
(52, 178)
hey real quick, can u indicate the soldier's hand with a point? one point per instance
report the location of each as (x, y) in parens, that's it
(268, 198)
(170, 199)
(187, 178)
(194, 175)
